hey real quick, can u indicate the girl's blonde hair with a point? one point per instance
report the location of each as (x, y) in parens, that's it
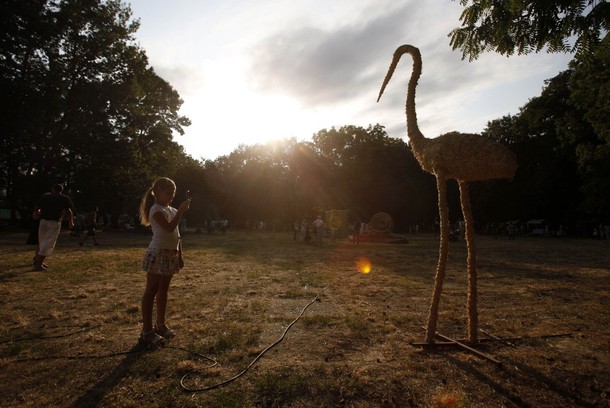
(160, 184)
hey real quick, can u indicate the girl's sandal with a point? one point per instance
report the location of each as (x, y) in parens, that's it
(151, 339)
(165, 332)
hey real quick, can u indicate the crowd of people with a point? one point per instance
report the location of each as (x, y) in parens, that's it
(314, 231)
(211, 226)
(602, 231)
(310, 231)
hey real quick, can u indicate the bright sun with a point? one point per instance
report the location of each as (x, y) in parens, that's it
(227, 112)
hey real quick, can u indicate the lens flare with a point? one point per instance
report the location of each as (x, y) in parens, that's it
(363, 265)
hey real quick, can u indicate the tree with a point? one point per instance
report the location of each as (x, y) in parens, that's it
(80, 105)
(354, 168)
(525, 26)
(548, 136)
(368, 172)
(561, 137)
(256, 183)
(589, 132)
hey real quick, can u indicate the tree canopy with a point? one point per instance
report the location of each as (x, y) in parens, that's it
(80, 105)
(525, 26)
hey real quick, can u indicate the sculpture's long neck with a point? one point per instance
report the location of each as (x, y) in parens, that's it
(413, 131)
(415, 136)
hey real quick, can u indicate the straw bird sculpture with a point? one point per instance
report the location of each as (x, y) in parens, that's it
(458, 156)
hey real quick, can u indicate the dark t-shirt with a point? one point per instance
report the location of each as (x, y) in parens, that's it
(52, 206)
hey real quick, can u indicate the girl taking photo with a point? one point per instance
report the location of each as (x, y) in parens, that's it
(163, 257)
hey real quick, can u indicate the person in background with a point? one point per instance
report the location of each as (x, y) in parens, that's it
(295, 230)
(304, 228)
(163, 257)
(356, 233)
(91, 225)
(51, 208)
(319, 229)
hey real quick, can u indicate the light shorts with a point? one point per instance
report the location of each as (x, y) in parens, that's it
(162, 262)
(48, 231)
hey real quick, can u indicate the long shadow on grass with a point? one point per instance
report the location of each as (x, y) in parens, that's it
(95, 395)
(519, 270)
(493, 384)
(7, 276)
(554, 385)
(523, 373)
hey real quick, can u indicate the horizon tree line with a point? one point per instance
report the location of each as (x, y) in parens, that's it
(81, 106)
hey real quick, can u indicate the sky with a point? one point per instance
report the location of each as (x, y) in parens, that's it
(254, 71)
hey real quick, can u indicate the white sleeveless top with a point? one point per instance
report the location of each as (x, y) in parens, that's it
(162, 239)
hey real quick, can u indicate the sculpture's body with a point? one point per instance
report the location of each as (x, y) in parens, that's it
(458, 156)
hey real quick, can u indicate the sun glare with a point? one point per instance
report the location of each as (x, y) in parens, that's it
(249, 119)
(363, 265)
(227, 111)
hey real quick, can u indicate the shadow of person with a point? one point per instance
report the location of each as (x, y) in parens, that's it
(95, 395)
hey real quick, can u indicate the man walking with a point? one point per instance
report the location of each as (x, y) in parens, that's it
(52, 207)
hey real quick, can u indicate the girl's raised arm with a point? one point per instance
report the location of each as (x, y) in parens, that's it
(170, 226)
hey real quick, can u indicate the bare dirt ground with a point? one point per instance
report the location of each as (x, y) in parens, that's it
(69, 335)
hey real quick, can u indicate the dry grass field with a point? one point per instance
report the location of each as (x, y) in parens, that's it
(68, 336)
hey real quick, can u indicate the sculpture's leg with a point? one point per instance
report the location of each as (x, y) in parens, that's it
(441, 186)
(472, 264)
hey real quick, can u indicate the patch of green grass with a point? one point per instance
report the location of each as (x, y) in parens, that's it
(231, 336)
(320, 320)
(295, 294)
(257, 307)
(227, 398)
(359, 327)
(319, 385)
(283, 386)
(257, 273)
(13, 348)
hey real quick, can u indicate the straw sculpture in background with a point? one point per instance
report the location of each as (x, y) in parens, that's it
(462, 157)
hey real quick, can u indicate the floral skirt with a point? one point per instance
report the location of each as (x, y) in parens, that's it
(162, 262)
